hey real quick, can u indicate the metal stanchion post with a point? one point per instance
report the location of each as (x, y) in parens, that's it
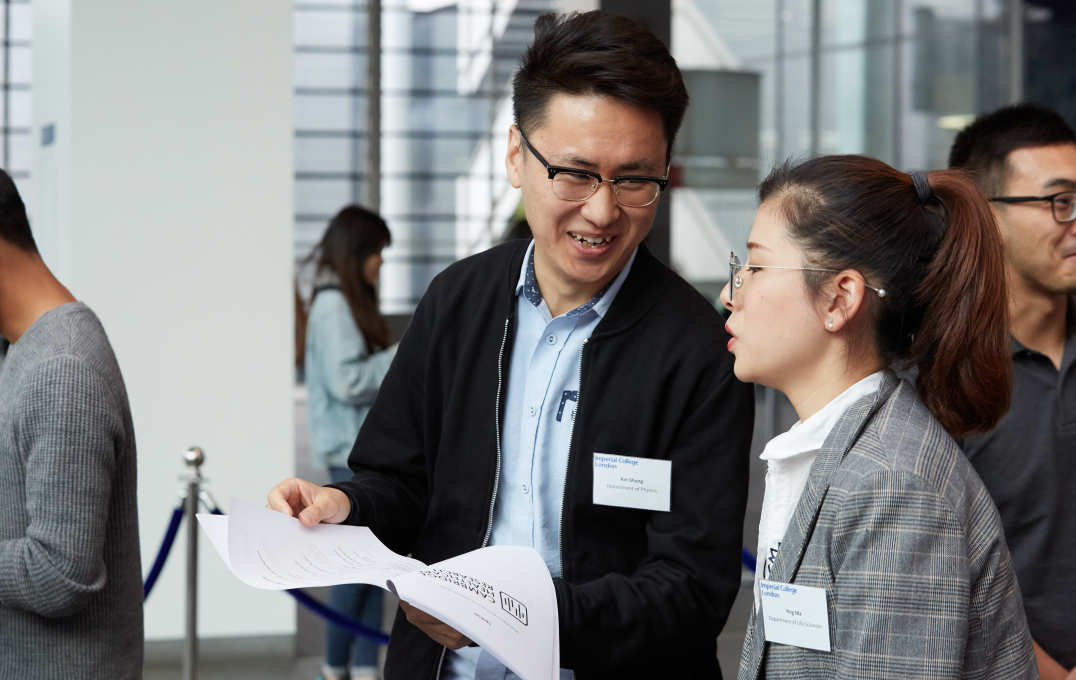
(193, 457)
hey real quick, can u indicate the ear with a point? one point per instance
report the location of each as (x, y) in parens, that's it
(513, 158)
(1000, 217)
(845, 295)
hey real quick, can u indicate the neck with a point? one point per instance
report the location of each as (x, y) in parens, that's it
(562, 298)
(27, 290)
(811, 392)
(1037, 318)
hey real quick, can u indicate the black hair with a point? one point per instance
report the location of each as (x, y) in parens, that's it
(983, 146)
(598, 53)
(14, 226)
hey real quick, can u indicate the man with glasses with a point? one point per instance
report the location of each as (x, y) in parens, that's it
(524, 364)
(1024, 159)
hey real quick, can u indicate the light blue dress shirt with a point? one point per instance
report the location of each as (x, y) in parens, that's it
(543, 391)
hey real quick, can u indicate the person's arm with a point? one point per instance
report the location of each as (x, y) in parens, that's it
(389, 490)
(1049, 668)
(903, 594)
(352, 373)
(679, 596)
(68, 424)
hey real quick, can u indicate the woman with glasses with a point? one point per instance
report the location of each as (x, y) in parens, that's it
(880, 553)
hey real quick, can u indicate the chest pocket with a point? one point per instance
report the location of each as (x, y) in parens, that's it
(569, 400)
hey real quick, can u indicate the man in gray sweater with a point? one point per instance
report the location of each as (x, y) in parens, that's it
(70, 574)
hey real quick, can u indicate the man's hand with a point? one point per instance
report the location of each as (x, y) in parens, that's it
(438, 632)
(309, 502)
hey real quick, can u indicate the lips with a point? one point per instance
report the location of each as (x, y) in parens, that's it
(592, 241)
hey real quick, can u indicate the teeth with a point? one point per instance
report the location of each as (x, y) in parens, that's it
(592, 242)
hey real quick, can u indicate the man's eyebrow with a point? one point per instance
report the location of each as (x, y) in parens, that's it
(1062, 182)
(641, 164)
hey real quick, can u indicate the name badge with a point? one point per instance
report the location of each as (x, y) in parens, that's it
(630, 482)
(795, 615)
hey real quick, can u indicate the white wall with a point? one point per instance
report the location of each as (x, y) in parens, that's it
(166, 201)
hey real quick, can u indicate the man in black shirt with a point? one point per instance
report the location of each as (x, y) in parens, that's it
(1024, 159)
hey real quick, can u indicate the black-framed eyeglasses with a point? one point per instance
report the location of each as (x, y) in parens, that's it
(576, 184)
(1062, 204)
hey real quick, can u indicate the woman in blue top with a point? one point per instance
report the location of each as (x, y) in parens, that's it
(348, 352)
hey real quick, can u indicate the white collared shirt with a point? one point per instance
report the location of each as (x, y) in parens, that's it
(789, 457)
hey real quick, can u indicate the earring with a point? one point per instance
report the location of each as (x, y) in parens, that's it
(829, 324)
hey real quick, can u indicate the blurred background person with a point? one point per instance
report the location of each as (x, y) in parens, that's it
(348, 352)
(854, 267)
(1023, 157)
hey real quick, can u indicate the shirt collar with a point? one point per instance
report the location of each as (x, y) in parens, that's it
(810, 435)
(1070, 332)
(600, 303)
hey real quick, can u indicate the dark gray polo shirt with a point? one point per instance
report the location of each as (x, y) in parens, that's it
(1028, 463)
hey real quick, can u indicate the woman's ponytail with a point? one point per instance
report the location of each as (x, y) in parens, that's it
(931, 242)
(961, 347)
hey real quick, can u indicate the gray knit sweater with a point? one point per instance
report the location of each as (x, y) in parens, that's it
(70, 574)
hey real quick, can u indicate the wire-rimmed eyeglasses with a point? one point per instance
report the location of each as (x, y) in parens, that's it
(576, 184)
(736, 274)
(1062, 204)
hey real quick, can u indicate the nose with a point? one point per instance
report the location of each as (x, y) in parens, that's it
(601, 209)
(726, 300)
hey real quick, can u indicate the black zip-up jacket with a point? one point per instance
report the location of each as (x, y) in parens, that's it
(643, 593)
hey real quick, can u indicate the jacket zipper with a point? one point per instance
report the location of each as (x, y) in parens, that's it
(496, 476)
(497, 424)
(568, 463)
(440, 664)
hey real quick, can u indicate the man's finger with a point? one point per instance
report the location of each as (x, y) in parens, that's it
(313, 514)
(437, 630)
(278, 499)
(327, 505)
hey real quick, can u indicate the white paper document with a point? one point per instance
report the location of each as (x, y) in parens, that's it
(501, 597)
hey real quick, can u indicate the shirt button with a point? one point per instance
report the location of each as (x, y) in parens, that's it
(552, 339)
(533, 411)
(525, 489)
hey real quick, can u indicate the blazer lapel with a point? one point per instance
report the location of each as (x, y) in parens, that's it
(787, 563)
(836, 446)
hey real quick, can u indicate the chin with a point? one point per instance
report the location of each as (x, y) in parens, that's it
(741, 370)
(746, 373)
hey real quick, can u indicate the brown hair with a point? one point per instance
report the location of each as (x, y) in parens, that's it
(939, 260)
(353, 235)
(598, 53)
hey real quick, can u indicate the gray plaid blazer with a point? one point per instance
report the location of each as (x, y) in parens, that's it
(897, 527)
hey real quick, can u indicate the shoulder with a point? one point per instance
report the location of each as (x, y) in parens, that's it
(904, 449)
(327, 300)
(903, 436)
(65, 341)
(675, 321)
(490, 269)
